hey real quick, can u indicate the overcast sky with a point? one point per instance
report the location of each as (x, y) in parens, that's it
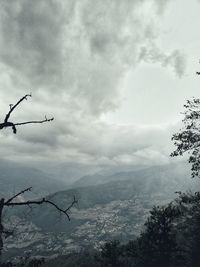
(114, 73)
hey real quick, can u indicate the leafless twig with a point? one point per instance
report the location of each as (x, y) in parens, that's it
(38, 202)
(9, 203)
(13, 125)
(18, 194)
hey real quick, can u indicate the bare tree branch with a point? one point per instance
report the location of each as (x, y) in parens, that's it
(14, 106)
(10, 202)
(27, 203)
(7, 123)
(72, 204)
(18, 194)
(40, 202)
(29, 122)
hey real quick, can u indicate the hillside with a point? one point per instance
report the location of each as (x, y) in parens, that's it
(116, 209)
(175, 173)
(15, 177)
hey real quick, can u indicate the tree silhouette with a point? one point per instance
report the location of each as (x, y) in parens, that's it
(13, 125)
(188, 138)
(189, 227)
(157, 243)
(11, 202)
(109, 254)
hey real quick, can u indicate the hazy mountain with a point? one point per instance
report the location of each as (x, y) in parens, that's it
(113, 210)
(173, 173)
(116, 209)
(159, 180)
(15, 177)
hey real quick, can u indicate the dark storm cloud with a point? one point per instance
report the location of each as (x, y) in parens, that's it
(76, 47)
(73, 56)
(31, 40)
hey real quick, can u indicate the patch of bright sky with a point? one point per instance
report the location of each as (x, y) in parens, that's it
(152, 94)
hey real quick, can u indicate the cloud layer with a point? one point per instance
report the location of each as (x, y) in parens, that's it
(74, 55)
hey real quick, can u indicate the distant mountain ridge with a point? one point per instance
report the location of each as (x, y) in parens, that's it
(180, 171)
(15, 177)
(161, 181)
(115, 209)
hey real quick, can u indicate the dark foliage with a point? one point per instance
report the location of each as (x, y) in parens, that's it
(157, 243)
(25, 263)
(171, 238)
(188, 138)
(110, 254)
(81, 259)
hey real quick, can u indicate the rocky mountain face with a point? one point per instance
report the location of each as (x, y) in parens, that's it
(115, 208)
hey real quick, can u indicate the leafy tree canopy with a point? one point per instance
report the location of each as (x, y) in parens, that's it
(188, 138)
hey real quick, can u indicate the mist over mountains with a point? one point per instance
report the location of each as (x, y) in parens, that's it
(109, 207)
(179, 173)
(15, 177)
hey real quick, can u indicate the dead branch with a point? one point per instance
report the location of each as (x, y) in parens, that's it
(72, 204)
(28, 203)
(28, 122)
(18, 194)
(7, 123)
(12, 107)
(40, 202)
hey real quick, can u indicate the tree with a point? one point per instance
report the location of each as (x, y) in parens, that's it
(11, 202)
(189, 226)
(109, 254)
(188, 138)
(157, 244)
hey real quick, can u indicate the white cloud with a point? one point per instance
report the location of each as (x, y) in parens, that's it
(73, 56)
(175, 59)
(77, 48)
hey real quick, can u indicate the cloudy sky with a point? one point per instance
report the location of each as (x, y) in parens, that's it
(114, 73)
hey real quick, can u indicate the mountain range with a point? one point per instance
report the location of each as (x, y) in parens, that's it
(113, 206)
